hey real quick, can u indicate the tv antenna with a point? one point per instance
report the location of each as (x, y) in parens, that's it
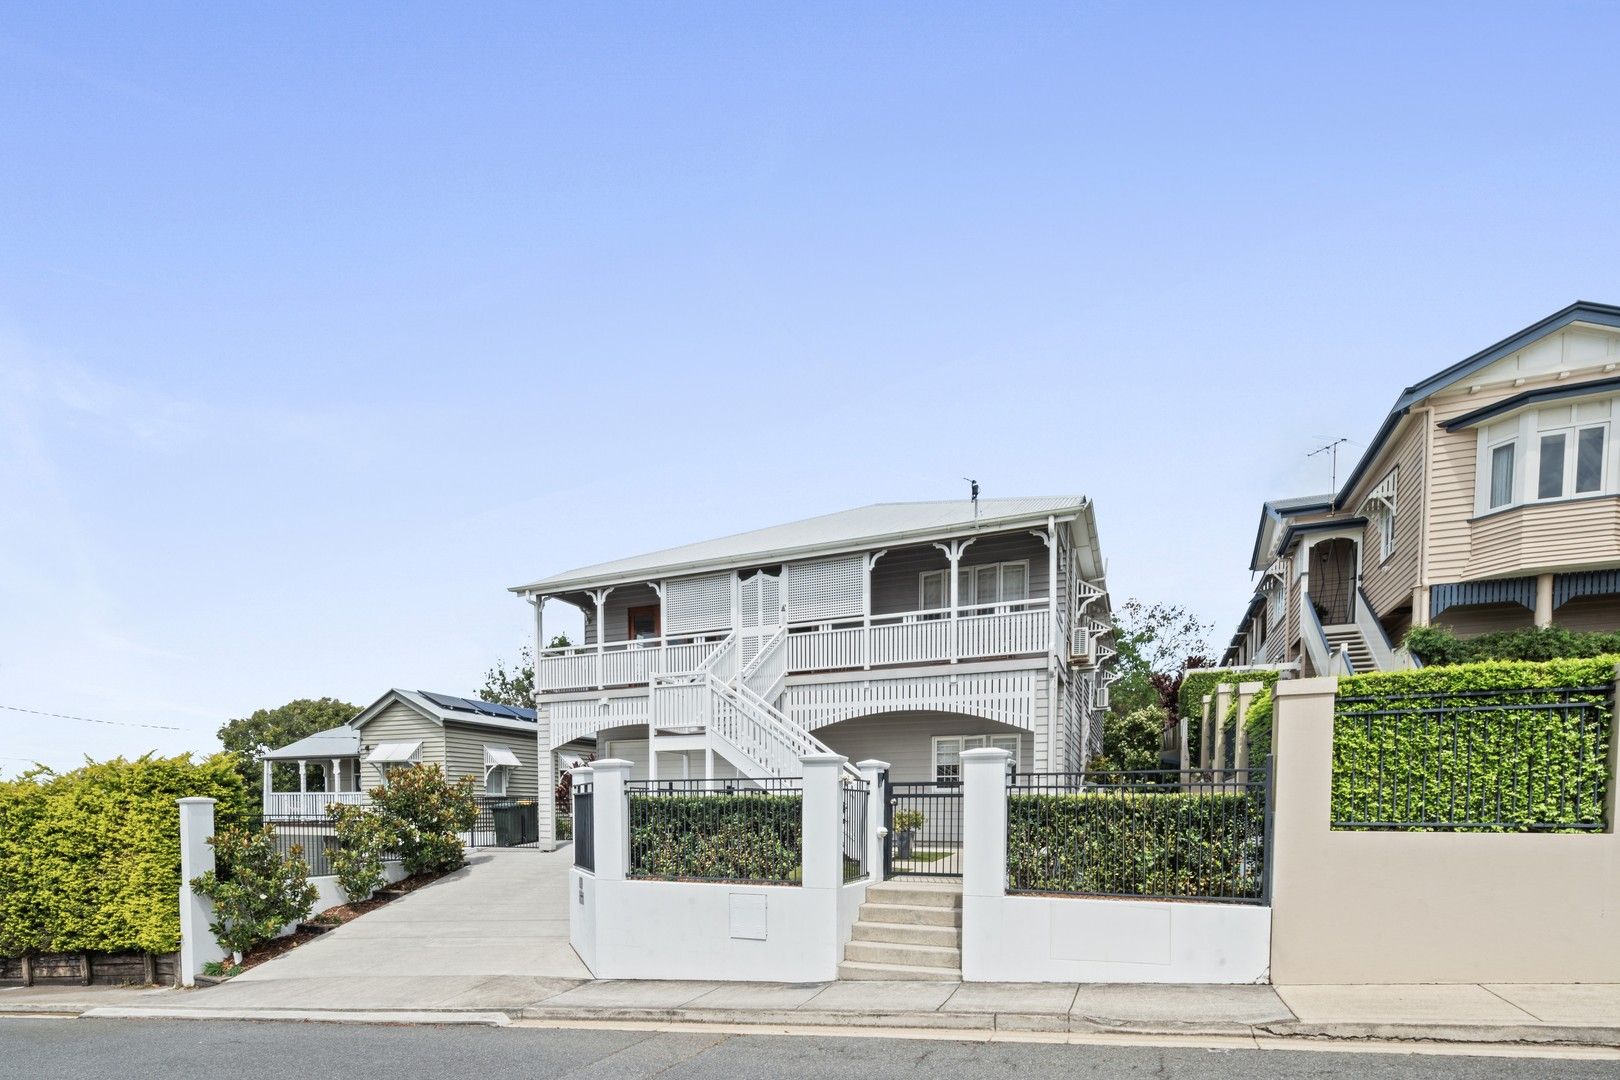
(1332, 451)
(974, 496)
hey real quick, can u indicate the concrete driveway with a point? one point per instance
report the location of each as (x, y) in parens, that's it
(494, 931)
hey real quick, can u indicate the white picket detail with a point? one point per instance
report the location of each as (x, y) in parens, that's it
(309, 804)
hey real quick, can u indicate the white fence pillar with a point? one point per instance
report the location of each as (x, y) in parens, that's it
(984, 823)
(1247, 692)
(610, 824)
(823, 811)
(197, 945)
(874, 772)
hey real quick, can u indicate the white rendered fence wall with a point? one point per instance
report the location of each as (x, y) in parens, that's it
(1045, 938)
(630, 929)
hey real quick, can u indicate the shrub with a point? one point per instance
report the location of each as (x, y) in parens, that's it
(363, 841)
(1130, 740)
(423, 813)
(565, 826)
(908, 820)
(1497, 763)
(90, 859)
(718, 837)
(1437, 646)
(1137, 844)
(256, 889)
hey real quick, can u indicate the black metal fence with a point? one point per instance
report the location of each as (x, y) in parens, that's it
(857, 796)
(1514, 760)
(1140, 833)
(505, 822)
(924, 822)
(314, 838)
(717, 830)
(584, 828)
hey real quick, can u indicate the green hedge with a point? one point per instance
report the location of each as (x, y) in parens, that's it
(745, 837)
(1495, 769)
(1196, 682)
(1437, 646)
(90, 860)
(1257, 723)
(1137, 844)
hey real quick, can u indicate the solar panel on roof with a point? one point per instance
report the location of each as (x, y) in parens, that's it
(446, 701)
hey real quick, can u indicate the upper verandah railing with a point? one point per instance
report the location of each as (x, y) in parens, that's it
(1012, 629)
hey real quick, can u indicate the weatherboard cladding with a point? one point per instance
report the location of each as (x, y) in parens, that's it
(464, 756)
(398, 722)
(846, 527)
(1388, 583)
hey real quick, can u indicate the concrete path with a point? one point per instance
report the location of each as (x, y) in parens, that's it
(494, 933)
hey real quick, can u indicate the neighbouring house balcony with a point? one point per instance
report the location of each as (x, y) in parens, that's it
(297, 805)
(1026, 628)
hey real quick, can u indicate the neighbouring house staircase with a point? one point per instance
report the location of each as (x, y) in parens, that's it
(731, 706)
(1349, 637)
(907, 930)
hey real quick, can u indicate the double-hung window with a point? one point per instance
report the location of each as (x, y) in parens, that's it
(1502, 457)
(948, 753)
(1543, 455)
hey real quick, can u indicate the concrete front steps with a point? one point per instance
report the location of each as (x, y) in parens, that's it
(907, 931)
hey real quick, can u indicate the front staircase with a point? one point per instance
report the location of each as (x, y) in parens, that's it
(907, 931)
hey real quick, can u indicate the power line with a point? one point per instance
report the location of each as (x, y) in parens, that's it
(92, 720)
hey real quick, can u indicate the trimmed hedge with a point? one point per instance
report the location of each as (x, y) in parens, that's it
(1497, 770)
(90, 860)
(1437, 646)
(1128, 843)
(717, 837)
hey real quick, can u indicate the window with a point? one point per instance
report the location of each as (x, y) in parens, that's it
(948, 753)
(976, 586)
(1501, 475)
(643, 623)
(495, 781)
(1380, 503)
(1543, 455)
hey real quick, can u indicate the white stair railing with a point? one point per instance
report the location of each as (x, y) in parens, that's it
(780, 739)
(766, 672)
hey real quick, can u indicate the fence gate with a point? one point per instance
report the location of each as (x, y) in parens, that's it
(925, 830)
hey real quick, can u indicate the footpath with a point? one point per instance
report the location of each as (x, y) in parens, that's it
(1570, 1014)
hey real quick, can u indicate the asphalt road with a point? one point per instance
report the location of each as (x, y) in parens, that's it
(47, 1049)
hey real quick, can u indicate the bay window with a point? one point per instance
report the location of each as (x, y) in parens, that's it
(1543, 455)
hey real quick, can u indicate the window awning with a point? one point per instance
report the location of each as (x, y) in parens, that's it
(393, 752)
(1384, 493)
(499, 755)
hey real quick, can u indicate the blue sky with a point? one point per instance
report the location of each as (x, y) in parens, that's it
(321, 325)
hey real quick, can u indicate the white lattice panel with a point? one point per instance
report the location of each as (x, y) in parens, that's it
(697, 603)
(1006, 697)
(572, 720)
(826, 588)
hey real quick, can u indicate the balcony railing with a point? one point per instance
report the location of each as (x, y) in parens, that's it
(1021, 628)
(620, 663)
(308, 804)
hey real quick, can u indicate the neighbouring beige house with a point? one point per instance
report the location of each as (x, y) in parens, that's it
(494, 744)
(906, 632)
(1489, 499)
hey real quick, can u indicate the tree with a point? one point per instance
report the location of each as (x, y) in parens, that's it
(1155, 643)
(267, 729)
(256, 889)
(516, 687)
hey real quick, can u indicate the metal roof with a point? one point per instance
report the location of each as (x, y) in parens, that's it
(341, 741)
(523, 720)
(844, 530)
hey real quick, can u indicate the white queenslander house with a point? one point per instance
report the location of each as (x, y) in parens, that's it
(905, 632)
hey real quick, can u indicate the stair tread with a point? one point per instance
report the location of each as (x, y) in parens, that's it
(901, 972)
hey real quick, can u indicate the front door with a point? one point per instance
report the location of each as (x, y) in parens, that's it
(643, 623)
